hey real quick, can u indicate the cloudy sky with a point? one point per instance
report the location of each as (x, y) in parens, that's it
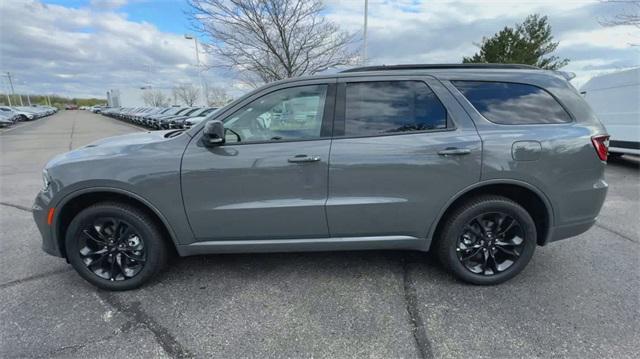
(84, 47)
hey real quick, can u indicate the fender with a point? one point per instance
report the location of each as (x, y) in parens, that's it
(538, 192)
(72, 195)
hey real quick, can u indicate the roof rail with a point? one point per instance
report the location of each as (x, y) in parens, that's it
(441, 66)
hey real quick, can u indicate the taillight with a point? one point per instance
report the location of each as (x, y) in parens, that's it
(601, 144)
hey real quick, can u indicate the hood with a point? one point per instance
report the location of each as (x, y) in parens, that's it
(115, 146)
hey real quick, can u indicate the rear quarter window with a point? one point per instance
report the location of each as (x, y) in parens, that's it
(513, 103)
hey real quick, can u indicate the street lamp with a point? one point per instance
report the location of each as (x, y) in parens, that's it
(202, 83)
(364, 48)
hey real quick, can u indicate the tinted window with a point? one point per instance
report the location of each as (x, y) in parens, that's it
(385, 107)
(288, 114)
(513, 104)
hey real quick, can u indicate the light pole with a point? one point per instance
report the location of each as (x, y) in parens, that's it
(13, 92)
(202, 83)
(364, 47)
(8, 97)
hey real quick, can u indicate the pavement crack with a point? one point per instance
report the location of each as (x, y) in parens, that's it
(33, 277)
(138, 316)
(16, 206)
(67, 350)
(616, 232)
(73, 129)
(418, 327)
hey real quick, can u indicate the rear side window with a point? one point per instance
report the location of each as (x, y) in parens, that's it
(513, 104)
(386, 107)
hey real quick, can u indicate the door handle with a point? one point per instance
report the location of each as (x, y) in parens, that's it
(303, 159)
(452, 151)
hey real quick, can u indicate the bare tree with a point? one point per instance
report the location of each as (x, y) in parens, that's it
(155, 98)
(271, 39)
(630, 16)
(186, 93)
(217, 96)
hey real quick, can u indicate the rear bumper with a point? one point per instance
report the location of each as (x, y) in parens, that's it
(557, 233)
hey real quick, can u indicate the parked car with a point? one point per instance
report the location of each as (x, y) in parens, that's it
(193, 118)
(478, 163)
(153, 121)
(22, 114)
(164, 122)
(7, 119)
(615, 98)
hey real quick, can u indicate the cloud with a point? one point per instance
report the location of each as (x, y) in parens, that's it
(108, 4)
(83, 52)
(445, 31)
(87, 50)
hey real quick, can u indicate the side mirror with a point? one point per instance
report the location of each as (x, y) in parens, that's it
(213, 134)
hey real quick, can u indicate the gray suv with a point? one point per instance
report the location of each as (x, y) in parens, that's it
(478, 163)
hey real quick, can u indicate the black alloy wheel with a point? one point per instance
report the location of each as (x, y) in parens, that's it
(115, 246)
(490, 243)
(487, 240)
(112, 249)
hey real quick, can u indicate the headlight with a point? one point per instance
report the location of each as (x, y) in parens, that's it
(46, 181)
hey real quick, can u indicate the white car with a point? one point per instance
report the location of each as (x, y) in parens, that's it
(23, 115)
(615, 98)
(6, 119)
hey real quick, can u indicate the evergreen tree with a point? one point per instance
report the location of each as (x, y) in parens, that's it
(528, 43)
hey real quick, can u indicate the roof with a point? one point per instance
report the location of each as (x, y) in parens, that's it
(440, 66)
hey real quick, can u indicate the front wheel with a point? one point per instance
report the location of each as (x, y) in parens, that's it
(115, 246)
(487, 240)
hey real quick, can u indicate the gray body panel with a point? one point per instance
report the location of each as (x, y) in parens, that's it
(400, 178)
(565, 170)
(142, 166)
(225, 188)
(365, 193)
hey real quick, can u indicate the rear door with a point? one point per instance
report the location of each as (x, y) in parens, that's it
(402, 148)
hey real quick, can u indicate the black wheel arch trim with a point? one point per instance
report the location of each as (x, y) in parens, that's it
(61, 203)
(545, 200)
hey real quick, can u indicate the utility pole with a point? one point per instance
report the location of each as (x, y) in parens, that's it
(364, 47)
(203, 85)
(13, 92)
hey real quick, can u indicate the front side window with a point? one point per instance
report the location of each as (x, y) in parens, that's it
(388, 107)
(513, 103)
(288, 114)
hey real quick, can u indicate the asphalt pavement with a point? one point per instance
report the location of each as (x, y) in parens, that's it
(577, 298)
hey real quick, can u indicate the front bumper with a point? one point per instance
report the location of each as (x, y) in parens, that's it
(40, 211)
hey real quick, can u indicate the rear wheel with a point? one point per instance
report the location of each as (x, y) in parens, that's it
(115, 246)
(487, 241)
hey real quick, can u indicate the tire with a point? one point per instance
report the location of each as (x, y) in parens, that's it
(473, 231)
(137, 253)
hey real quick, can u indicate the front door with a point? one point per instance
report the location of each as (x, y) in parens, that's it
(269, 180)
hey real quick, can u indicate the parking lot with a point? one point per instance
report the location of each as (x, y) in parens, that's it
(577, 298)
